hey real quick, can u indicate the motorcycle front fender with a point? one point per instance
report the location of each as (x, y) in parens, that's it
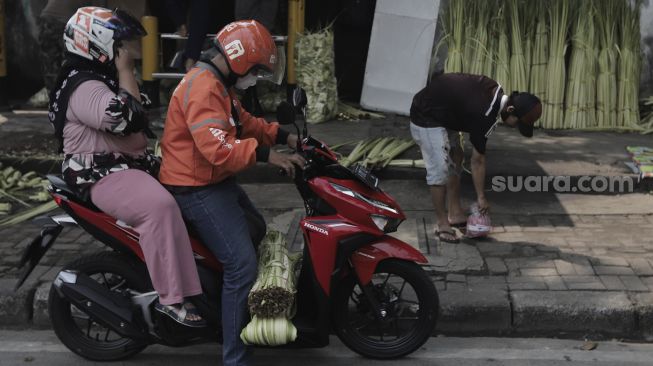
(365, 259)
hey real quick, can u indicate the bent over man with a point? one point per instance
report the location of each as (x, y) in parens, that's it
(453, 103)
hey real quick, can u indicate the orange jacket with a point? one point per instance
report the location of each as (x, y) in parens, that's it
(199, 143)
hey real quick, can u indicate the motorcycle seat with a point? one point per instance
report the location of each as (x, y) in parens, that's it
(71, 193)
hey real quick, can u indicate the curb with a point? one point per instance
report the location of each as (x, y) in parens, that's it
(566, 314)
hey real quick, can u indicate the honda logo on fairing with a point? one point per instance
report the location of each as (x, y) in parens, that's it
(316, 228)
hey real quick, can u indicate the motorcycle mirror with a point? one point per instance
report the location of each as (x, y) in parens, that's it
(285, 113)
(299, 98)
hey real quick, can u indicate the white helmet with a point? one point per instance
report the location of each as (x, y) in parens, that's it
(94, 33)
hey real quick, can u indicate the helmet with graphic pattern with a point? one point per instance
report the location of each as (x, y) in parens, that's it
(95, 33)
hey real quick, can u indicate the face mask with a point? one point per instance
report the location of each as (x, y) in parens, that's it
(505, 115)
(246, 81)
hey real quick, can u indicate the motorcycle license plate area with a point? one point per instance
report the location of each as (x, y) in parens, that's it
(36, 249)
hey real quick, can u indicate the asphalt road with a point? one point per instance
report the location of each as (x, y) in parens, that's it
(35, 348)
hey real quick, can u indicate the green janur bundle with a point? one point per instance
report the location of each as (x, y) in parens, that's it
(377, 153)
(454, 30)
(273, 292)
(579, 102)
(314, 61)
(272, 298)
(582, 58)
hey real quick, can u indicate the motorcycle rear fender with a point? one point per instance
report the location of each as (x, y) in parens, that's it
(365, 259)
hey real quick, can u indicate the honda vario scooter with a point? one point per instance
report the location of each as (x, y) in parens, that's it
(355, 280)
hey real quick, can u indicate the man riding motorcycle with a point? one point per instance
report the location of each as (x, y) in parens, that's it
(208, 138)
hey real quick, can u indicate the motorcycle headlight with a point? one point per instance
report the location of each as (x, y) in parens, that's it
(379, 221)
(373, 202)
(385, 224)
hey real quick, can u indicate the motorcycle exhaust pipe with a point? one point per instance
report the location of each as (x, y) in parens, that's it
(110, 309)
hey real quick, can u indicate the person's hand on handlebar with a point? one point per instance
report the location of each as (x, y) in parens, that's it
(286, 162)
(292, 141)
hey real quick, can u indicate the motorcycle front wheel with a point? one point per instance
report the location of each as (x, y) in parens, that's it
(78, 331)
(408, 299)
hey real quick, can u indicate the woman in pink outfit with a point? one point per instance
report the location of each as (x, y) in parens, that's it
(97, 113)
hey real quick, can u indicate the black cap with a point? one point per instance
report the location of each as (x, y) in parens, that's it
(528, 108)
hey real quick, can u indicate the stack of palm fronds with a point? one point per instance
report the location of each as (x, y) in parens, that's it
(22, 196)
(315, 66)
(272, 298)
(377, 153)
(581, 57)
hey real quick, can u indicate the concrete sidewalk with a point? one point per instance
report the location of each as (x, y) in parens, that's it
(576, 265)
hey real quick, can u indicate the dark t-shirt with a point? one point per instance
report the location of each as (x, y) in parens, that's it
(459, 102)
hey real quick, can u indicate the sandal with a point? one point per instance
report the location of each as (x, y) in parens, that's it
(458, 225)
(180, 313)
(461, 226)
(441, 236)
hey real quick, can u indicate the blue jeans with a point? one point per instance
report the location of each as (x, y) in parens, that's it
(224, 218)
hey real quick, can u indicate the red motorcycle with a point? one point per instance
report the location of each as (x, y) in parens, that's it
(355, 279)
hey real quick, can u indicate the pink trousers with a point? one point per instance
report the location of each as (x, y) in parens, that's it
(140, 201)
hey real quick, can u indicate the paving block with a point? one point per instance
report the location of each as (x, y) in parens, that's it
(526, 283)
(487, 286)
(494, 248)
(641, 266)
(609, 261)
(456, 286)
(633, 283)
(474, 312)
(540, 229)
(486, 279)
(580, 279)
(552, 312)
(455, 278)
(41, 318)
(538, 272)
(584, 225)
(408, 232)
(556, 241)
(498, 229)
(527, 286)
(547, 249)
(598, 285)
(456, 258)
(536, 262)
(584, 269)
(648, 281)
(11, 260)
(15, 307)
(614, 270)
(512, 228)
(496, 266)
(555, 283)
(613, 283)
(564, 268)
(6, 244)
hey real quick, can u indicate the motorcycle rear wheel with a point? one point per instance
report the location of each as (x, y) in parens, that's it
(76, 330)
(410, 300)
